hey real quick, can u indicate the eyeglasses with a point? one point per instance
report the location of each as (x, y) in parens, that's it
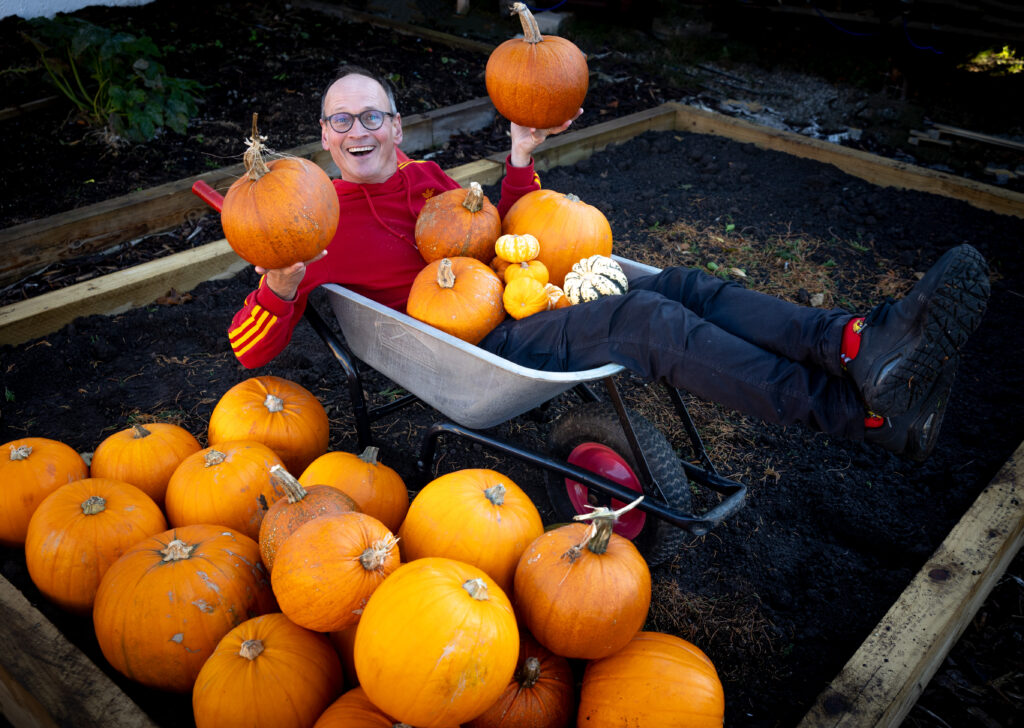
(371, 119)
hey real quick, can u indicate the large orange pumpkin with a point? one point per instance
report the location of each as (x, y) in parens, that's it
(475, 515)
(567, 228)
(460, 295)
(281, 212)
(655, 680)
(144, 455)
(378, 489)
(437, 643)
(79, 530)
(30, 469)
(459, 222)
(538, 80)
(267, 673)
(163, 606)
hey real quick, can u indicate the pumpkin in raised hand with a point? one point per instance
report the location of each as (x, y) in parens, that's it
(458, 222)
(460, 296)
(593, 278)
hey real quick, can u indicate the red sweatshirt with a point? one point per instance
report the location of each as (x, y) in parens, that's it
(372, 253)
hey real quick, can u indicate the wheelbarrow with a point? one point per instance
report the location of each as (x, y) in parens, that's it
(600, 452)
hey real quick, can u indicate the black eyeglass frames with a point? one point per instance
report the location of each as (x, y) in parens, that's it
(371, 119)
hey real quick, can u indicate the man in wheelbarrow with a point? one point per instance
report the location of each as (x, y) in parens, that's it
(883, 377)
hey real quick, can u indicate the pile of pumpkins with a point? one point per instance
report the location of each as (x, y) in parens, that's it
(332, 598)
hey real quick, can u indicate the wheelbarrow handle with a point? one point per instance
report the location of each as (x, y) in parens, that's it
(207, 194)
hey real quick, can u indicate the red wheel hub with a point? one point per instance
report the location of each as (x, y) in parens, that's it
(607, 463)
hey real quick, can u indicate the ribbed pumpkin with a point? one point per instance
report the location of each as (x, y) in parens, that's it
(541, 694)
(460, 296)
(283, 415)
(582, 590)
(298, 506)
(228, 484)
(515, 248)
(378, 489)
(164, 605)
(459, 222)
(327, 569)
(524, 296)
(538, 80)
(655, 680)
(593, 278)
(530, 268)
(437, 643)
(79, 530)
(30, 469)
(267, 673)
(475, 515)
(556, 297)
(568, 229)
(144, 455)
(281, 212)
(354, 710)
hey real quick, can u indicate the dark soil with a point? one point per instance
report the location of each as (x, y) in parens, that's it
(781, 594)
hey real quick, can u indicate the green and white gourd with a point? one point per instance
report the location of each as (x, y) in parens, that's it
(594, 277)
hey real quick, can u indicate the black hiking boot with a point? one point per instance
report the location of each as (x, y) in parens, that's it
(905, 345)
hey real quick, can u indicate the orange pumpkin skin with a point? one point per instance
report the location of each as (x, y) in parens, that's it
(584, 607)
(228, 484)
(424, 627)
(655, 680)
(79, 530)
(524, 296)
(475, 515)
(354, 710)
(144, 455)
(344, 641)
(378, 489)
(283, 415)
(30, 469)
(460, 296)
(265, 673)
(459, 222)
(328, 568)
(541, 694)
(531, 268)
(568, 229)
(162, 607)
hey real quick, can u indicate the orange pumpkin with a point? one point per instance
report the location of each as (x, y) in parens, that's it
(538, 80)
(524, 296)
(328, 568)
(344, 641)
(475, 515)
(378, 489)
(266, 672)
(163, 606)
(458, 222)
(283, 415)
(30, 469)
(444, 627)
(298, 506)
(530, 268)
(281, 212)
(619, 689)
(228, 484)
(79, 530)
(568, 229)
(354, 710)
(498, 265)
(556, 297)
(460, 296)
(144, 455)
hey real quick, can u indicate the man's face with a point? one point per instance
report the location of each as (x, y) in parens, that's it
(363, 156)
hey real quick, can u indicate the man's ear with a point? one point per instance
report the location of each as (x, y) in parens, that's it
(398, 128)
(323, 135)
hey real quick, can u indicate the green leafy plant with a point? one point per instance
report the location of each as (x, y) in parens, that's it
(114, 79)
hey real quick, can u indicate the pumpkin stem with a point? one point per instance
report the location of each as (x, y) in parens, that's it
(292, 488)
(255, 167)
(273, 403)
(445, 276)
(600, 532)
(474, 201)
(496, 494)
(177, 550)
(93, 504)
(373, 558)
(530, 673)
(139, 432)
(369, 455)
(213, 457)
(477, 588)
(531, 31)
(251, 649)
(21, 452)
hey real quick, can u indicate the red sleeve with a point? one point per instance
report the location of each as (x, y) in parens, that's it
(264, 326)
(516, 183)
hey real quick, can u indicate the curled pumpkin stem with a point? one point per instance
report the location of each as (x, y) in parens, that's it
(374, 557)
(293, 489)
(600, 532)
(531, 31)
(255, 167)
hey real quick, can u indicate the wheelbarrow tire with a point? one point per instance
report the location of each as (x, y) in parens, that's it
(598, 422)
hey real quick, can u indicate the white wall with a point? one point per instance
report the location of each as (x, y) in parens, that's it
(49, 8)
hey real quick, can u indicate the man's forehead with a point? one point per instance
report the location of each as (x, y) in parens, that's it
(358, 91)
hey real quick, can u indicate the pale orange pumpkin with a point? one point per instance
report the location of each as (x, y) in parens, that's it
(30, 469)
(265, 673)
(524, 296)
(446, 628)
(227, 484)
(516, 247)
(556, 297)
(619, 690)
(280, 413)
(459, 222)
(79, 530)
(354, 710)
(474, 515)
(281, 212)
(163, 606)
(530, 268)
(144, 455)
(378, 489)
(460, 296)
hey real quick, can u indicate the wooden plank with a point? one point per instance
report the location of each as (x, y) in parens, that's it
(877, 170)
(12, 111)
(46, 681)
(977, 136)
(884, 678)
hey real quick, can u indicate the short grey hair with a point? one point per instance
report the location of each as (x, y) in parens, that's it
(350, 70)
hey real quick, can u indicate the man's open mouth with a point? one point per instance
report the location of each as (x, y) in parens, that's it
(360, 151)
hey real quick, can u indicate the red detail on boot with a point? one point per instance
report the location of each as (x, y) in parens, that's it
(850, 345)
(872, 421)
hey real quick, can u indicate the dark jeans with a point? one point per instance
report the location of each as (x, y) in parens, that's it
(718, 340)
